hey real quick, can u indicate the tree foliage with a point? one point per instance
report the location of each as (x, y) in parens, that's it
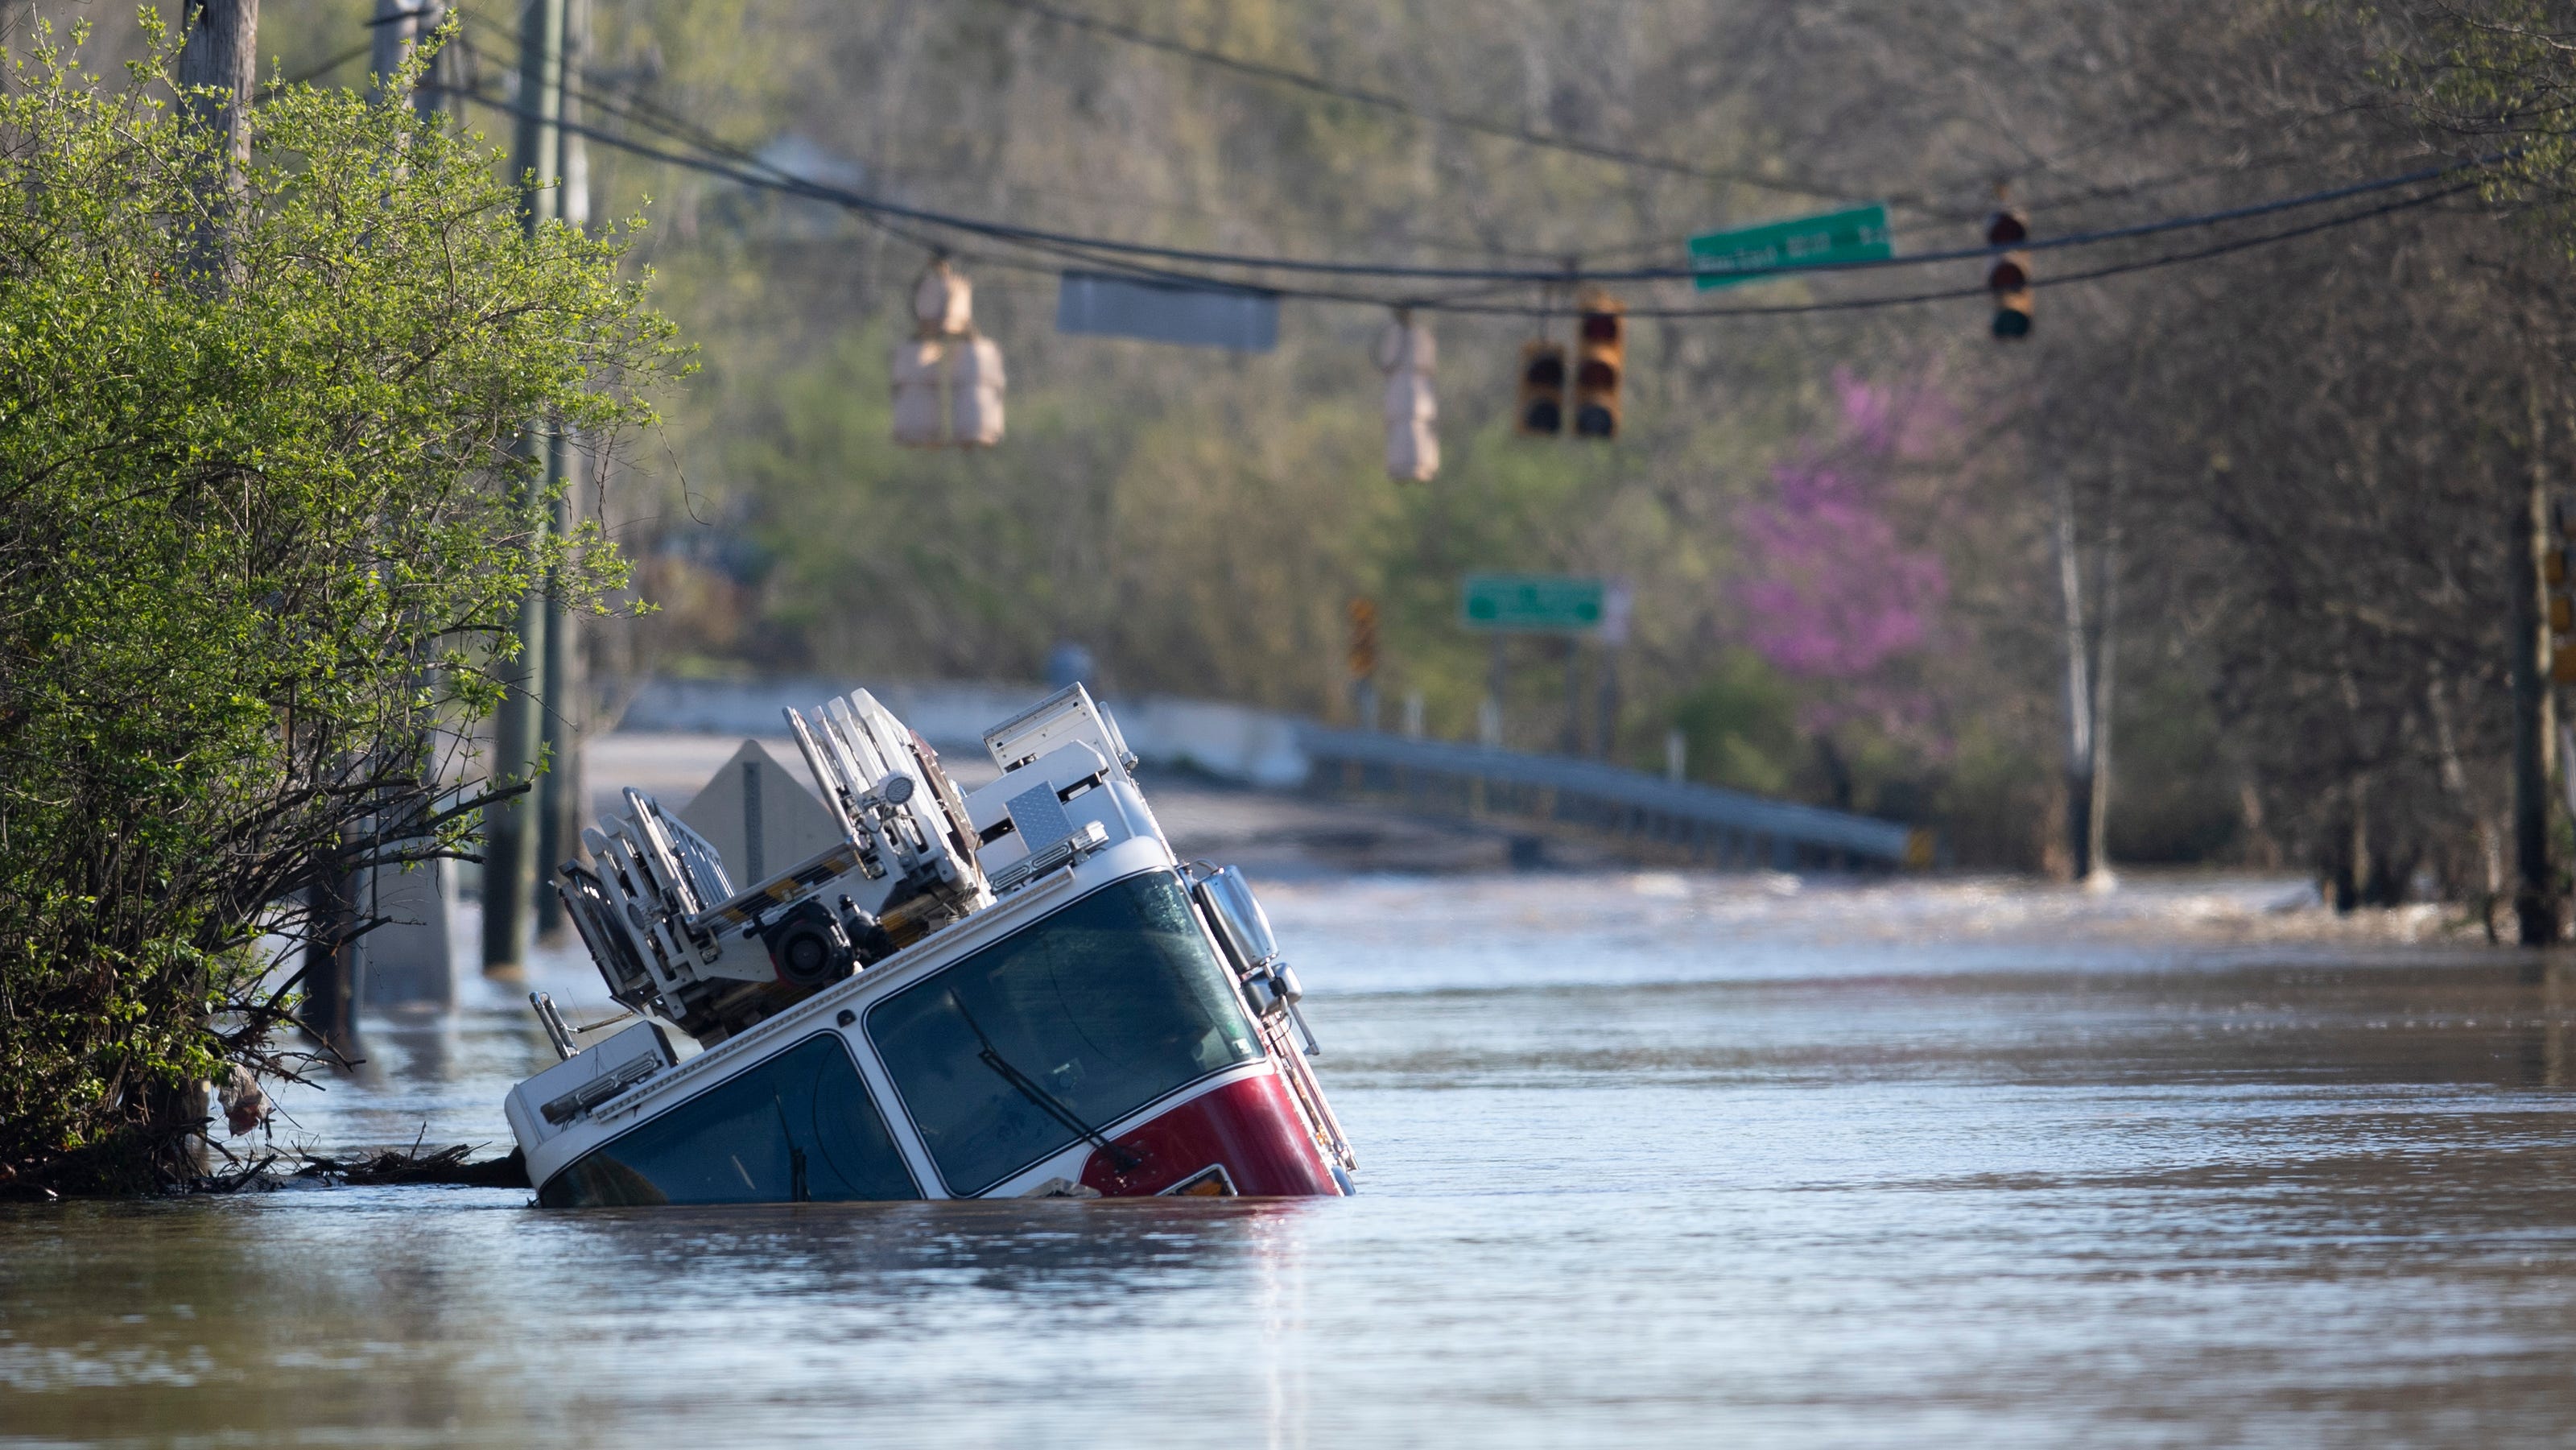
(2500, 74)
(262, 538)
(2296, 454)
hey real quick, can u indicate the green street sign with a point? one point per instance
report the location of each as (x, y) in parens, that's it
(1754, 254)
(1533, 603)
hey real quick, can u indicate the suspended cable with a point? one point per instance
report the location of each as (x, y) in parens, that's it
(1860, 304)
(1281, 75)
(791, 184)
(313, 72)
(1321, 86)
(642, 112)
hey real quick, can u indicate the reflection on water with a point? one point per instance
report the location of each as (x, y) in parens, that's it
(2121, 1193)
(377, 1314)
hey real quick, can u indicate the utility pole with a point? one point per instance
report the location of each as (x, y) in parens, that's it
(511, 827)
(1616, 603)
(219, 53)
(333, 973)
(1572, 743)
(393, 32)
(2535, 907)
(2087, 692)
(2079, 691)
(2097, 814)
(219, 48)
(565, 695)
(432, 100)
(1605, 740)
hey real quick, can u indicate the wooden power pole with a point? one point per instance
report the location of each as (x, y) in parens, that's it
(511, 827)
(219, 52)
(393, 32)
(566, 694)
(2535, 904)
(2080, 762)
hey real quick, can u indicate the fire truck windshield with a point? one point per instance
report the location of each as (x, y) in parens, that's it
(1103, 1007)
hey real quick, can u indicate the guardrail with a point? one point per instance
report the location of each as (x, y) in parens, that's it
(1707, 823)
(1264, 748)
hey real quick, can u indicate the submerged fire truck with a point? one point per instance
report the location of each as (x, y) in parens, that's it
(1016, 992)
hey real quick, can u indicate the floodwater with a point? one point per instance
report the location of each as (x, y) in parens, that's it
(1645, 1160)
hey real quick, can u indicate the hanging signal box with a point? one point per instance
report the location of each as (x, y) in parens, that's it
(1542, 408)
(1600, 362)
(1407, 355)
(948, 381)
(2009, 277)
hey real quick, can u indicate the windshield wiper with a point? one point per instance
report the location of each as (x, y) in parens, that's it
(1047, 1102)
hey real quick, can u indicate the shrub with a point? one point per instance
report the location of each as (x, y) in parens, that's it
(263, 538)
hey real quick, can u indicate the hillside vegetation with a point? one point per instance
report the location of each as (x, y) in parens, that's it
(2293, 469)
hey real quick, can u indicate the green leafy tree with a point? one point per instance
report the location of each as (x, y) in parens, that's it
(261, 547)
(2500, 74)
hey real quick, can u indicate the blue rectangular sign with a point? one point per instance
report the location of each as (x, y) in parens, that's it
(1243, 319)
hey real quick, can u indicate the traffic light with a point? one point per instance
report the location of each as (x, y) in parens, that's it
(1406, 354)
(1363, 638)
(1600, 358)
(2009, 277)
(1542, 411)
(947, 380)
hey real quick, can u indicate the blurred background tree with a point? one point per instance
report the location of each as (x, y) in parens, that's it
(2288, 463)
(263, 543)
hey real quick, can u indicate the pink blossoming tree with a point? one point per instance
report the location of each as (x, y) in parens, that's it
(1831, 594)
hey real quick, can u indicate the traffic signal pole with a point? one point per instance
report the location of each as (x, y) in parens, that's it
(2088, 682)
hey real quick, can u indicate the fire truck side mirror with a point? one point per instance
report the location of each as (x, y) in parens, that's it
(1238, 918)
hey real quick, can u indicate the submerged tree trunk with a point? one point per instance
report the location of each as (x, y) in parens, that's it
(2352, 865)
(2455, 784)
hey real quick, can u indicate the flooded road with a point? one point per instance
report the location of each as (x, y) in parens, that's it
(1645, 1159)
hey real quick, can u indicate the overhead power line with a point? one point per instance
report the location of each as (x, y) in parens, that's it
(1509, 131)
(1787, 186)
(773, 178)
(1860, 304)
(661, 121)
(2191, 221)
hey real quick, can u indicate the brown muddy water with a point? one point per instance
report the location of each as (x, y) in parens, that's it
(1644, 1160)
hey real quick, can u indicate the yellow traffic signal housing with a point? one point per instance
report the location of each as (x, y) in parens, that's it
(1363, 638)
(1600, 362)
(1542, 409)
(2009, 277)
